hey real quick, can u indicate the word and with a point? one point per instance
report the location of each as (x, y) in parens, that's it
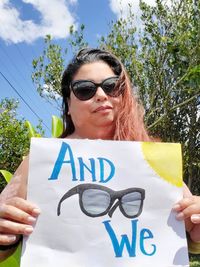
(105, 167)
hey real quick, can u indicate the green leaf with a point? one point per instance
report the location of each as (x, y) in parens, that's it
(13, 260)
(31, 130)
(7, 175)
(57, 126)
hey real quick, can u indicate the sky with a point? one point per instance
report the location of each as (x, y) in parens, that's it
(23, 26)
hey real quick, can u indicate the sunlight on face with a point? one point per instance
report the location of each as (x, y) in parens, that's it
(94, 118)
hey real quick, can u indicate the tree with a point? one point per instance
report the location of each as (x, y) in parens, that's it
(163, 61)
(162, 57)
(14, 138)
(49, 67)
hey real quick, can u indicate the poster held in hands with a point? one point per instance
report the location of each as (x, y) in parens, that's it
(105, 203)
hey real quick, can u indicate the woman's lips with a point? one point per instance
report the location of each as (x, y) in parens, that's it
(102, 109)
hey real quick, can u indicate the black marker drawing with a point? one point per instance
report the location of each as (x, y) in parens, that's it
(97, 200)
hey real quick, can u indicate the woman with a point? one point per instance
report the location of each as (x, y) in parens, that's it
(98, 103)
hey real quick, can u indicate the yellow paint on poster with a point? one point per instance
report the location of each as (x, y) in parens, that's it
(165, 159)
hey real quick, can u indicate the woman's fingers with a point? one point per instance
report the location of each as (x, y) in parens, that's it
(20, 210)
(15, 228)
(188, 207)
(16, 218)
(7, 239)
(10, 231)
(23, 205)
(16, 214)
(195, 218)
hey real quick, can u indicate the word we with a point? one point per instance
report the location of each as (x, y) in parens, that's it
(118, 246)
(106, 168)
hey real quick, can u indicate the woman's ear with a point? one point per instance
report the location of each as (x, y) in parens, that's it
(69, 105)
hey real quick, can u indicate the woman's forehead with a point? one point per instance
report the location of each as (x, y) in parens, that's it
(96, 71)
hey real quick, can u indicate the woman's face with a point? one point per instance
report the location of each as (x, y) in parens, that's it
(94, 118)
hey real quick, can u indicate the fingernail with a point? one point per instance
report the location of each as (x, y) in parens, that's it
(180, 216)
(176, 207)
(31, 219)
(36, 211)
(195, 218)
(28, 230)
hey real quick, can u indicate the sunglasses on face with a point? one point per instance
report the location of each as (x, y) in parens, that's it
(86, 89)
(97, 200)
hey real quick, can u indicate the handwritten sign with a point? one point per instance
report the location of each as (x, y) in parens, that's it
(105, 203)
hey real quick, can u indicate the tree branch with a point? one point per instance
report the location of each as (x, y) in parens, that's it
(172, 109)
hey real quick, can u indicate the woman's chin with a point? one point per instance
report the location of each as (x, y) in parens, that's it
(106, 122)
(105, 119)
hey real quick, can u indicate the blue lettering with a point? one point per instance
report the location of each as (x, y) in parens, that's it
(119, 245)
(146, 234)
(102, 167)
(65, 156)
(91, 170)
(60, 161)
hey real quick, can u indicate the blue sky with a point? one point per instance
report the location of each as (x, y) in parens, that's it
(23, 25)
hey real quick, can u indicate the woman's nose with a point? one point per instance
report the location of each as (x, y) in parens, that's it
(100, 95)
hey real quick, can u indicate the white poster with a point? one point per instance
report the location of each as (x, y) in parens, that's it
(105, 203)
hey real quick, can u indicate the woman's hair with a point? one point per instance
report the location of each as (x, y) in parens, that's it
(129, 122)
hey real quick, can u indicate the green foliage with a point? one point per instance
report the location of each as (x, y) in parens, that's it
(14, 141)
(31, 131)
(14, 138)
(76, 39)
(163, 61)
(48, 68)
(13, 260)
(7, 175)
(56, 130)
(57, 126)
(194, 264)
(194, 261)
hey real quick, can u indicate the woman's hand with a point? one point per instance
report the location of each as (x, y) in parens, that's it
(17, 217)
(188, 209)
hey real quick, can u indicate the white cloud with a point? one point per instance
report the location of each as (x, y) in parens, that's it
(73, 2)
(121, 7)
(55, 19)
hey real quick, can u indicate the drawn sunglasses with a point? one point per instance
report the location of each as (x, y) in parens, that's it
(86, 89)
(96, 200)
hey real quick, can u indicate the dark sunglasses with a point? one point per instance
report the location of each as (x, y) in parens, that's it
(97, 200)
(86, 89)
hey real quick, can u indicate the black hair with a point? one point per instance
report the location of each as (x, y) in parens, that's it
(84, 56)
